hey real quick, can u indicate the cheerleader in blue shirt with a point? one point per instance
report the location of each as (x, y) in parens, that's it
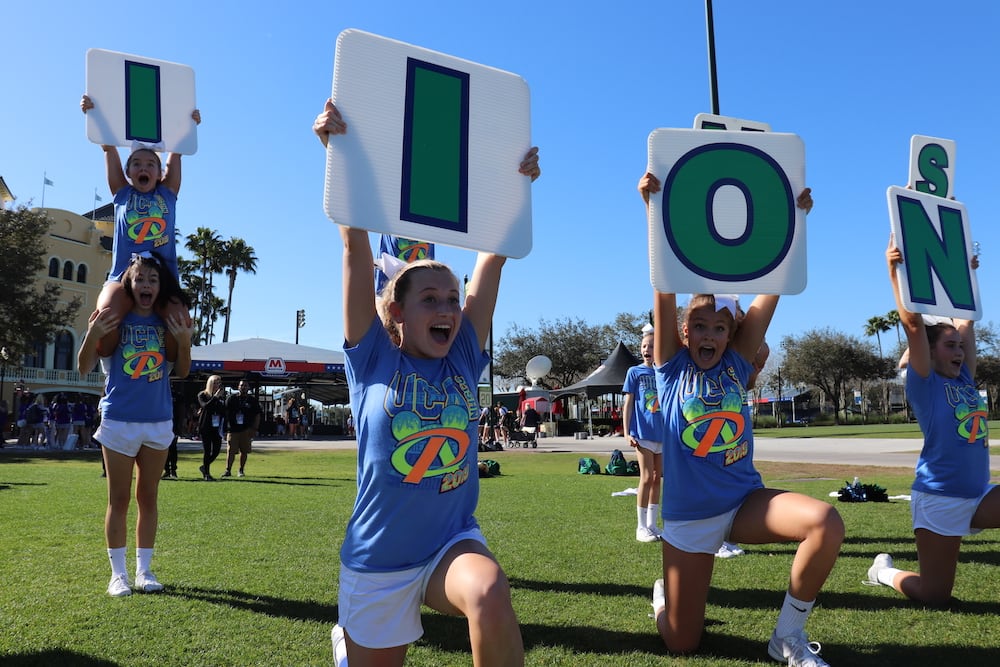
(413, 366)
(951, 495)
(137, 410)
(711, 490)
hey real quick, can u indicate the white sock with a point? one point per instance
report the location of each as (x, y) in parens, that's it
(117, 557)
(640, 513)
(793, 616)
(142, 559)
(886, 574)
(652, 515)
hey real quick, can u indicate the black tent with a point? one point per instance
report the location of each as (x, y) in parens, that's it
(607, 379)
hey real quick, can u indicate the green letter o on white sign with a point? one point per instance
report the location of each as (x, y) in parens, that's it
(689, 192)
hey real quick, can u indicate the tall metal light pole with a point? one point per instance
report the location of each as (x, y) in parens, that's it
(712, 76)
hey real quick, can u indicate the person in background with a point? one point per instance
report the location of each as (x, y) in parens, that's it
(242, 421)
(62, 422)
(642, 422)
(212, 400)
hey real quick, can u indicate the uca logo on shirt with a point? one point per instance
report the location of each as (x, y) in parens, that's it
(429, 423)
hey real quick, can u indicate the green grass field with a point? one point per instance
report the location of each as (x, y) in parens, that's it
(250, 567)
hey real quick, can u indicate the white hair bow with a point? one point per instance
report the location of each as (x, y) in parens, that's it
(389, 265)
(140, 146)
(727, 301)
(934, 320)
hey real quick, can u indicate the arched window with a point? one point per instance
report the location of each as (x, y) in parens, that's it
(63, 351)
(68, 270)
(53, 268)
(36, 357)
(81, 273)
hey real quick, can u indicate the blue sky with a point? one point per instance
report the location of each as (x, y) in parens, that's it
(854, 79)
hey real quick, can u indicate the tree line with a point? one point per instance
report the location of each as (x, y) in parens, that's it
(833, 363)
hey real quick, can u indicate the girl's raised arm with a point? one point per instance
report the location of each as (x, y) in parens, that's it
(919, 351)
(666, 338)
(359, 284)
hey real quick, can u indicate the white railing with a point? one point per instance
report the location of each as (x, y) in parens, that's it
(35, 376)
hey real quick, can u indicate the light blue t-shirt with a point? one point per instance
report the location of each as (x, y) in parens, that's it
(137, 374)
(955, 459)
(707, 437)
(646, 420)
(416, 424)
(143, 221)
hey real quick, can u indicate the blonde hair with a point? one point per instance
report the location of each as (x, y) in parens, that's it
(211, 379)
(398, 287)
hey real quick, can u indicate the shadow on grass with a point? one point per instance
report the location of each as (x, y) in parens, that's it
(283, 481)
(450, 634)
(6, 486)
(299, 610)
(56, 657)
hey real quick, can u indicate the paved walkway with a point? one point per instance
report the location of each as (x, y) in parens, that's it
(891, 452)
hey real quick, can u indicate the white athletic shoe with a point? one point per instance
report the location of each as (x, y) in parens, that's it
(339, 646)
(881, 561)
(659, 596)
(118, 587)
(147, 583)
(729, 550)
(797, 650)
(644, 534)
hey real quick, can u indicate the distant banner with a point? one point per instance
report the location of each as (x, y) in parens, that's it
(726, 218)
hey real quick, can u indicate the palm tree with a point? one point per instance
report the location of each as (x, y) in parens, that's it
(206, 245)
(236, 256)
(876, 326)
(892, 317)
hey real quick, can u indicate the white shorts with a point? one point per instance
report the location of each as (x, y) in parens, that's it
(699, 536)
(382, 609)
(945, 515)
(129, 437)
(652, 445)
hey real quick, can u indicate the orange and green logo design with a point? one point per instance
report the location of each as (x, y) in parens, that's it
(711, 429)
(145, 220)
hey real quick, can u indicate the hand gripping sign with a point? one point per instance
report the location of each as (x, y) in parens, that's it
(932, 232)
(725, 219)
(142, 100)
(432, 147)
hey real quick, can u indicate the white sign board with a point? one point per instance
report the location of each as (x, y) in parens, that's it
(726, 220)
(933, 234)
(139, 99)
(932, 166)
(432, 147)
(709, 121)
